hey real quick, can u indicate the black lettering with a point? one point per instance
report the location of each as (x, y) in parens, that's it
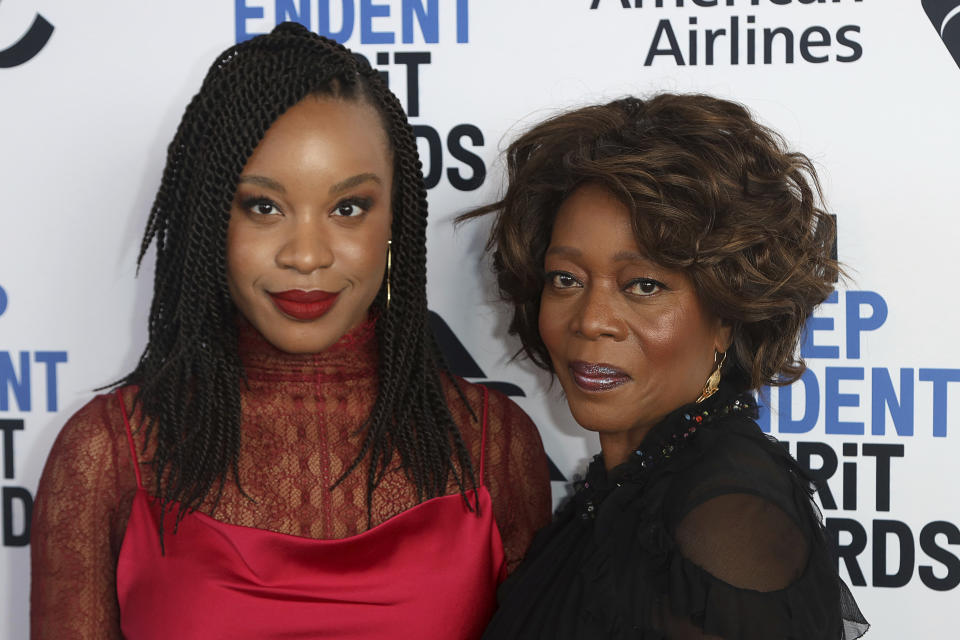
(849, 477)
(881, 577)
(692, 42)
(769, 35)
(856, 49)
(412, 60)
(807, 43)
(435, 153)
(711, 36)
(883, 453)
(848, 553)
(467, 157)
(928, 542)
(734, 40)
(8, 427)
(11, 538)
(664, 27)
(820, 475)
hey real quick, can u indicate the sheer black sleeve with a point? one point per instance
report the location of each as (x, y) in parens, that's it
(750, 560)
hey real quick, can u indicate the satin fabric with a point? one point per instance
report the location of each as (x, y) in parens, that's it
(429, 572)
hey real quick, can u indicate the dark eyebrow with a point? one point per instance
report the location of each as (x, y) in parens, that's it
(263, 181)
(353, 181)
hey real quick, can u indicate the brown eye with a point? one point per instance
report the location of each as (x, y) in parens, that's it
(352, 207)
(562, 280)
(644, 287)
(348, 210)
(260, 206)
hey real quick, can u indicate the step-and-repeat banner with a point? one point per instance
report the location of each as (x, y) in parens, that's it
(91, 93)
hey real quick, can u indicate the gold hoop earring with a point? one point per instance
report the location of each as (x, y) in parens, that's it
(713, 382)
(389, 267)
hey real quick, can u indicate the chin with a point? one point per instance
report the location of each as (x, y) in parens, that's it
(303, 338)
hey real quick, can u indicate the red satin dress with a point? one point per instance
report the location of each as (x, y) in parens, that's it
(428, 572)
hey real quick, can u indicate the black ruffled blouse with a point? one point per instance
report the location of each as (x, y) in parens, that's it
(707, 531)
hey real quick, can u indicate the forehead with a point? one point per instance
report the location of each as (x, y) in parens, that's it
(592, 220)
(325, 131)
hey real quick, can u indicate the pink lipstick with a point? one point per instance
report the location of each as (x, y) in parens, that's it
(304, 305)
(596, 377)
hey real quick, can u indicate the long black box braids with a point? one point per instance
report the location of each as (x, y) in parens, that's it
(190, 375)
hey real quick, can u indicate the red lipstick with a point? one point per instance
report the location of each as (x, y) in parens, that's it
(304, 305)
(596, 377)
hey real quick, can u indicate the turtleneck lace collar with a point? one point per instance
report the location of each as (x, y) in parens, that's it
(353, 356)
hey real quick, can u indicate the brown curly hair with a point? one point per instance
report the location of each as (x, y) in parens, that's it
(710, 191)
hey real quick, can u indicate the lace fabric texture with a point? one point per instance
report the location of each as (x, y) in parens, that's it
(301, 419)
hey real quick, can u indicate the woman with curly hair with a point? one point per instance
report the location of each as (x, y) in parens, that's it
(662, 257)
(290, 457)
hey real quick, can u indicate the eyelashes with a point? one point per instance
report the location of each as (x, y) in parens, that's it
(562, 280)
(644, 287)
(352, 207)
(260, 206)
(640, 287)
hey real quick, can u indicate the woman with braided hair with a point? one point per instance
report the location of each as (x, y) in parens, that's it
(289, 457)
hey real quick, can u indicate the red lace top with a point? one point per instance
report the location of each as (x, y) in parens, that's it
(300, 417)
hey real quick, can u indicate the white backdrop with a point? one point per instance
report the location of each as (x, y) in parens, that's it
(867, 88)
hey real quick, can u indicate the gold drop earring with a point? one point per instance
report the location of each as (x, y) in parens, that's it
(713, 382)
(389, 265)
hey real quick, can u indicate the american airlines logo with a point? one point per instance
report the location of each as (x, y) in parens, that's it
(945, 16)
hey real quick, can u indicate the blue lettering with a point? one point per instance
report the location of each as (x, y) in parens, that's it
(324, 19)
(51, 359)
(20, 385)
(940, 378)
(368, 11)
(857, 324)
(834, 400)
(287, 10)
(814, 323)
(3, 301)
(883, 397)
(244, 13)
(427, 18)
(463, 21)
(811, 392)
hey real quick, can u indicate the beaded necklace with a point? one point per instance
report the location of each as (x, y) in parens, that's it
(682, 426)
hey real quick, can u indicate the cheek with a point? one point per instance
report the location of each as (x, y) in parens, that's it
(551, 323)
(243, 256)
(363, 256)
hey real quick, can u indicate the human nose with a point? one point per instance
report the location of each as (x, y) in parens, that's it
(597, 316)
(307, 247)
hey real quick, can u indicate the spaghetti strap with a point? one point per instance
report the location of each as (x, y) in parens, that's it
(483, 437)
(133, 449)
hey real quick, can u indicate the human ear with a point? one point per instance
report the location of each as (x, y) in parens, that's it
(723, 337)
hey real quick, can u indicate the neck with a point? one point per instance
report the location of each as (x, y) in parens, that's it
(617, 447)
